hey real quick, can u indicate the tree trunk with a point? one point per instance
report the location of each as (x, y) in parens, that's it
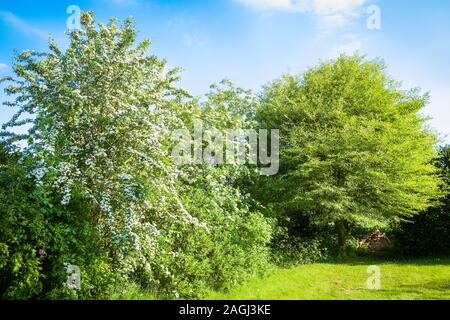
(342, 231)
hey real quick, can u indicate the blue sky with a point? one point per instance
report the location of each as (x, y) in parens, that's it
(254, 41)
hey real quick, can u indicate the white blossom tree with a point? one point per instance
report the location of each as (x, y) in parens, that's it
(100, 113)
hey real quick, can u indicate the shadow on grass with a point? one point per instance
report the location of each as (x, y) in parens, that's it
(436, 288)
(358, 261)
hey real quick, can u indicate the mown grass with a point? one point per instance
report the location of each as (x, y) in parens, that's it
(422, 279)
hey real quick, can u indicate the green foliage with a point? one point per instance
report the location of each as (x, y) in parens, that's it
(354, 147)
(294, 251)
(38, 236)
(414, 237)
(233, 246)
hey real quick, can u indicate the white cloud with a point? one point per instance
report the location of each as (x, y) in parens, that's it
(21, 25)
(320, 7)
(287, 5)
(189, 31)
(3, 66)
(351, 44)
(330, 14)
(326, 7)
(123, 2)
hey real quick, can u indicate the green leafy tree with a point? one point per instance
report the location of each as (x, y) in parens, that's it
(354, 147)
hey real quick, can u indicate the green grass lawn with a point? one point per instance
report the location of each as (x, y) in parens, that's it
(416, 279)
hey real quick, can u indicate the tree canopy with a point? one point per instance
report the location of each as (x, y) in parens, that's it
(355, 148)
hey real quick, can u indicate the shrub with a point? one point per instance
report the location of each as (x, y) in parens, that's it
(38, 237)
